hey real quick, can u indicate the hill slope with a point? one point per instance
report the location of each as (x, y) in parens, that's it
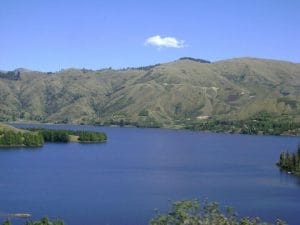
(164, 94)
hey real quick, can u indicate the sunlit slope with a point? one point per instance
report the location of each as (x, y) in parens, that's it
(166, 94)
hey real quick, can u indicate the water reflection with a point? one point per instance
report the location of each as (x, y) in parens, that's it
(287, 179)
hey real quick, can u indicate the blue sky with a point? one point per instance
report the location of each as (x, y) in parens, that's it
(49, 35)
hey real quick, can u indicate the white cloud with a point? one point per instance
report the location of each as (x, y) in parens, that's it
(167, 42)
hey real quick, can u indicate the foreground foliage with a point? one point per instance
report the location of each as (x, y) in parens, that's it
(209, 213)
(43, 221)
(290, 162)
(186, 213)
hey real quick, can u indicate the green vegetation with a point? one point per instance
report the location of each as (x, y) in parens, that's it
(46, 221)
(144, 113)
(35, 137)
(260, 123)
(196, 60)
(290, 162)
(189, 213)
(90, 136)
(12, 138)
(43, 221)
(51, 135)
(143, 122)
(209, 213)
(10, 75)
(175, 94)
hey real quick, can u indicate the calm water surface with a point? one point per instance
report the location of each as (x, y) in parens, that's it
(137, 170)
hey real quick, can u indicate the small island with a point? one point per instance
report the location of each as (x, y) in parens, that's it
(51, 135)
(290, 162)
(36, 137)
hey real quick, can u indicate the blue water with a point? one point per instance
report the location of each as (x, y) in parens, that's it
(137, 170)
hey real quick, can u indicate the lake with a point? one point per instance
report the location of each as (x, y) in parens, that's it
(138, 170)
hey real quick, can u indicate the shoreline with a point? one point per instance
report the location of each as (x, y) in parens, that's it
(163, 127)
(13, 138)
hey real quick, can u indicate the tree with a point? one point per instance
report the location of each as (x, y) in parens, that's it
(6, 222)
(46, 221)
(209, 213)
(290, 162)
(33, 139)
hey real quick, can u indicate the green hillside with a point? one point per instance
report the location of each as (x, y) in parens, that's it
(173, 94)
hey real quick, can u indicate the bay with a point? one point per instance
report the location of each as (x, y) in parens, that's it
(139, 170)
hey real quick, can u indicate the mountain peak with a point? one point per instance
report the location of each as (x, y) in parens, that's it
(22, 70)
(194, 59)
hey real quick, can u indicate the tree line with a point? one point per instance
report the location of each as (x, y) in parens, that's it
(13, 138)
(91, 136)
(260, 123)
(35, 137)
(51, 135)
(290, 162)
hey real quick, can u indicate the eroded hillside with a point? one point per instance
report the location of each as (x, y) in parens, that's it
(165, 94)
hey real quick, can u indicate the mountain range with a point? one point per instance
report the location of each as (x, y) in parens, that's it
(168, 95)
